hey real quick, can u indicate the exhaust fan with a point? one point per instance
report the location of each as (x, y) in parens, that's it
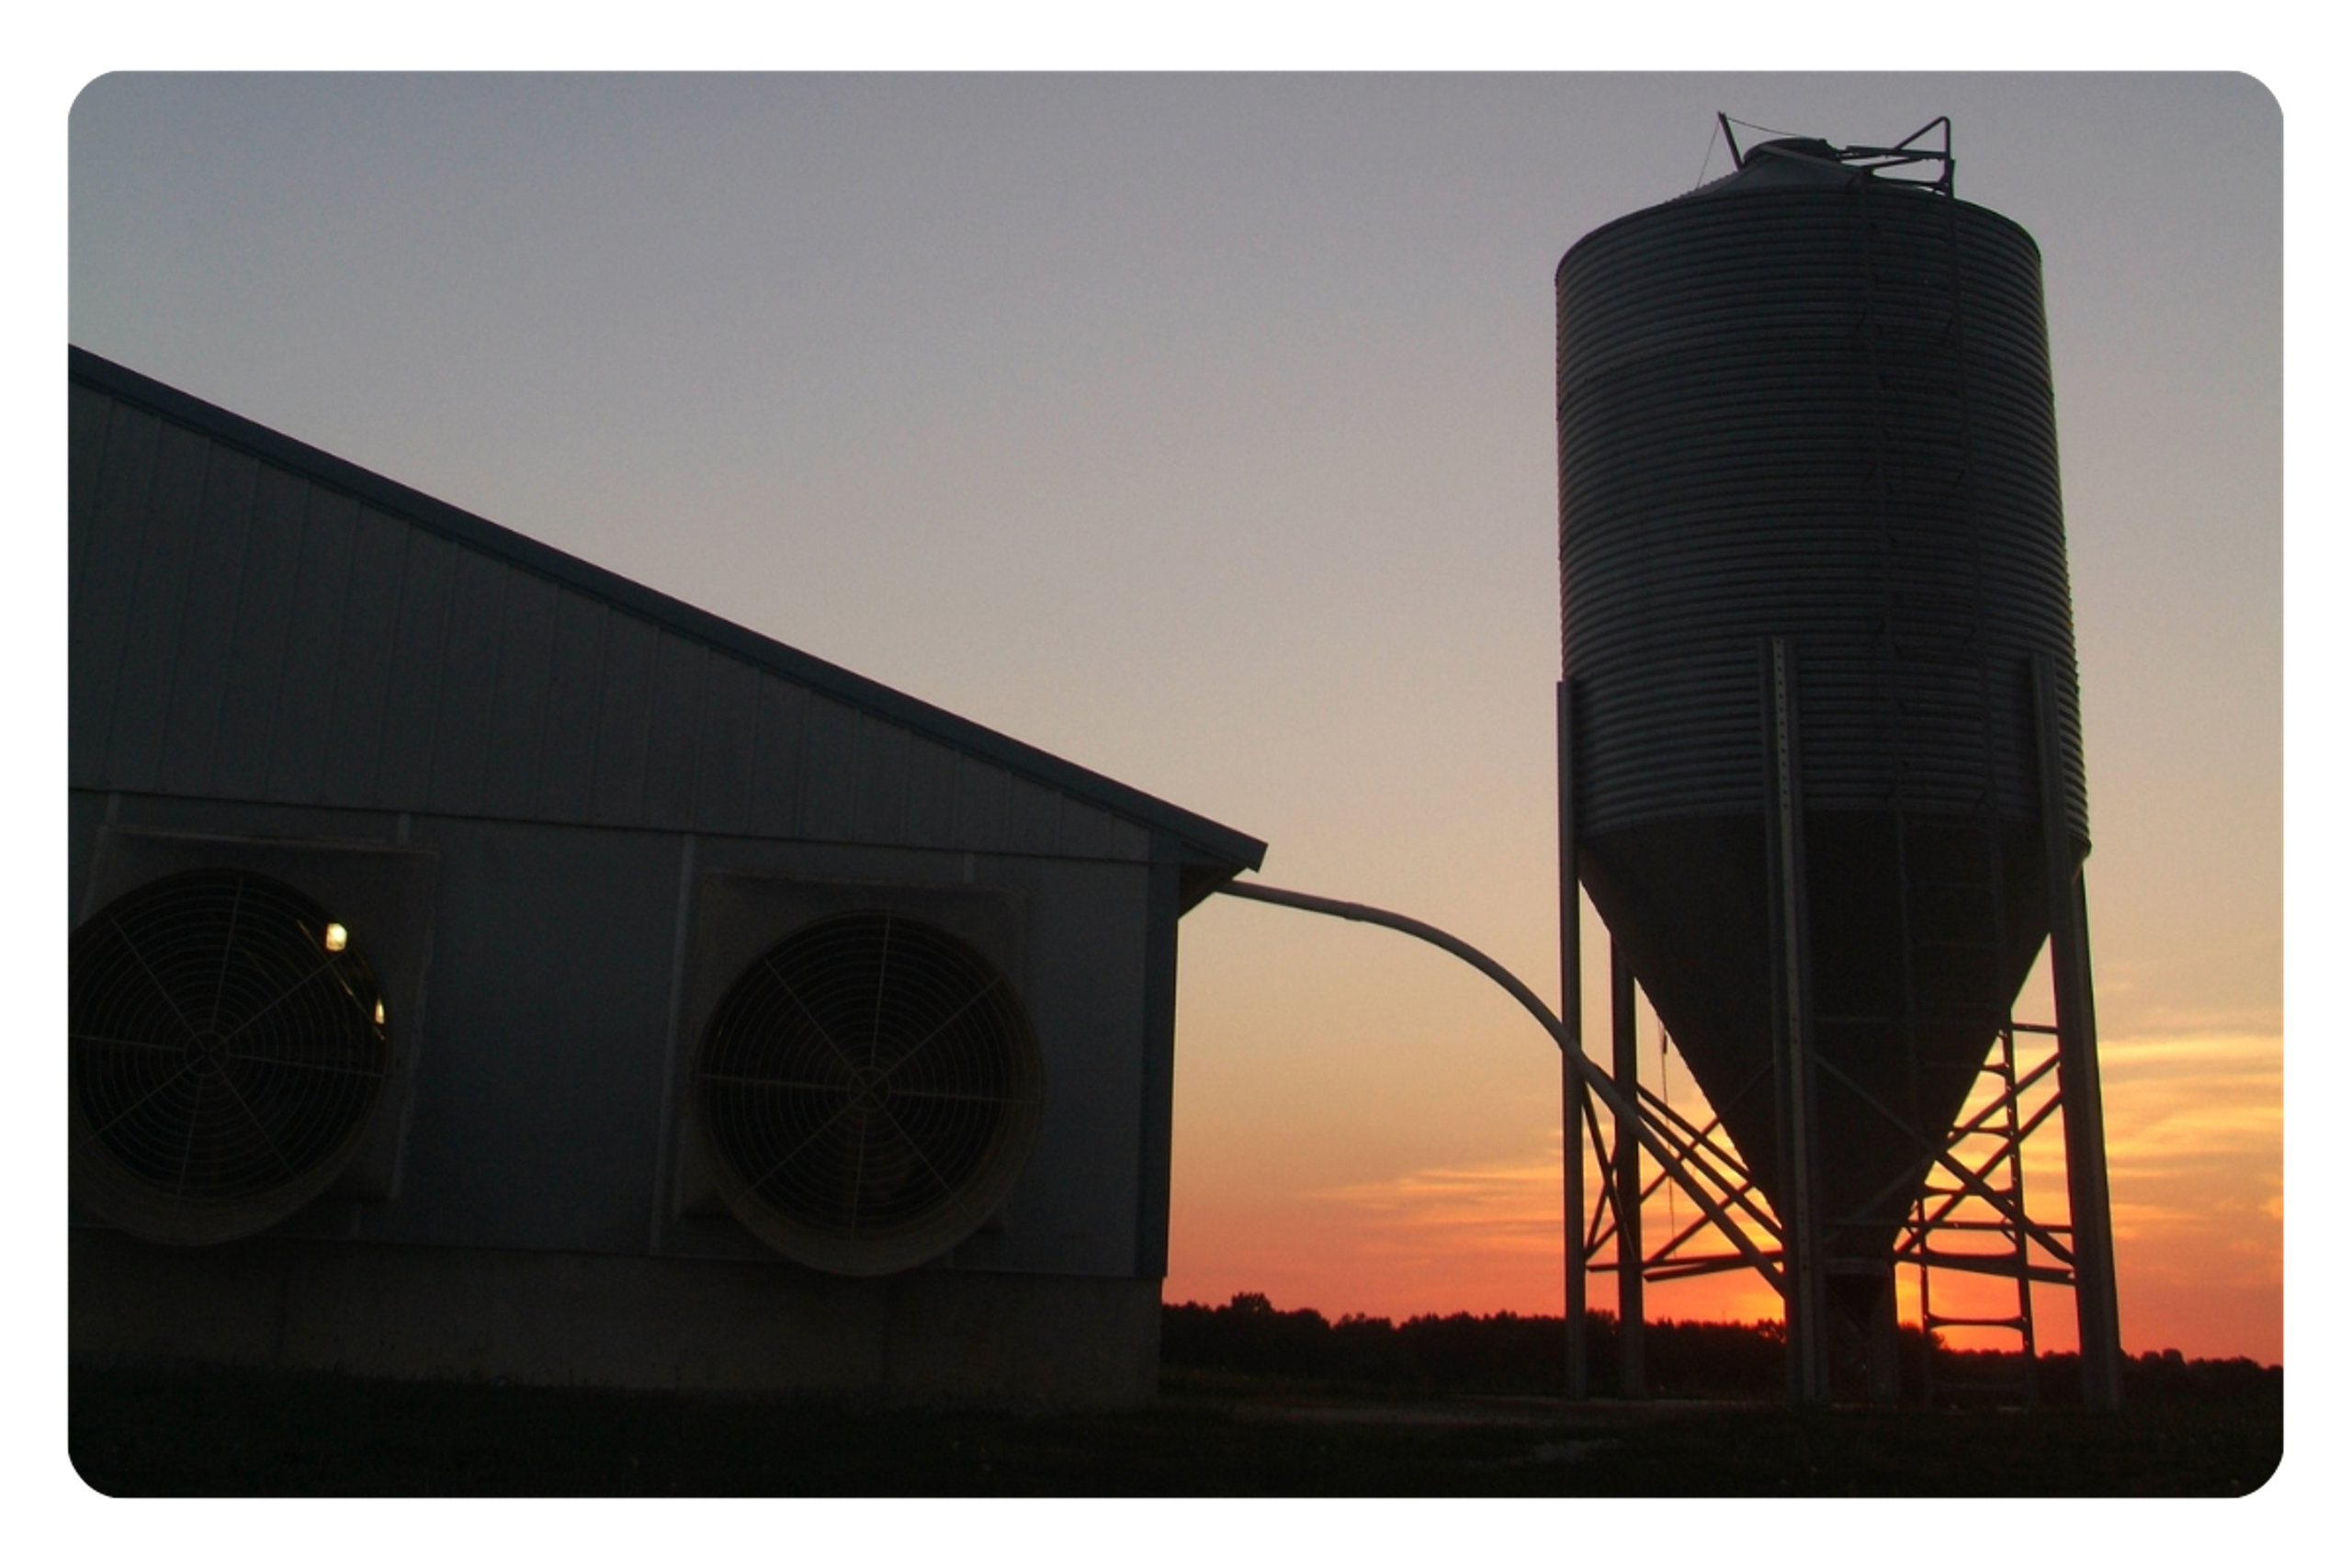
(867, 1090)
(228, 1044)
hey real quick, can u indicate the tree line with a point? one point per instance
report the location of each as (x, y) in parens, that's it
(1504, 1353)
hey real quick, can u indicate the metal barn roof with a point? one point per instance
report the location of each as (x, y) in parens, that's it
(254, 618)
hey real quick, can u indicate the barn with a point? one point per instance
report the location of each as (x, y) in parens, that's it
(486, 966)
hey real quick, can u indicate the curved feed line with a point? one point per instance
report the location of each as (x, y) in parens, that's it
(1672, 1161)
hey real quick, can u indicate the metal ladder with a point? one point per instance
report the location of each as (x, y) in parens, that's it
(2002, 1067)
(1956, 910)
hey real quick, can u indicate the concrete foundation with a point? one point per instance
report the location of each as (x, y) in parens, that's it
(615, 1321)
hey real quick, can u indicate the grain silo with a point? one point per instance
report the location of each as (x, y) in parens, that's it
(1822, 765)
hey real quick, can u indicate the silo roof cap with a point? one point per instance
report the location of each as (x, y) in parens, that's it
(1792, 160)
(1811, 146)
(1802, 161)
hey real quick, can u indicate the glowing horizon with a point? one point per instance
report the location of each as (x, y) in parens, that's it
(2195, 1125)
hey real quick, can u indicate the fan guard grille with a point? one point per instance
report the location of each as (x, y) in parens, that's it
(868, 1089)
(227, 1046)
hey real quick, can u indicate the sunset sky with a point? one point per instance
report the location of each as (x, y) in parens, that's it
(1200, 429)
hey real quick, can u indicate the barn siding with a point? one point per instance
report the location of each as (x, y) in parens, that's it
(240, 630)
(1085, 831)
(412, 690)
(778, 730)
(674, 740)
(526, 633)
(110, 570)
(881, 804)
(983, 803)
(568, 755)
(1036, 820)
(167, 529)
(828, 771)
(208, 624)
(306, 685)
(931, 794)
(622, 721)
(723, 746)
(468, 684)
(87, 412)
(365, 640)
(258, 649)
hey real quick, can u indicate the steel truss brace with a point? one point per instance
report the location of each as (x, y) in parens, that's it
(1701, 1157)
(1668, 1262)
(1973, 1182)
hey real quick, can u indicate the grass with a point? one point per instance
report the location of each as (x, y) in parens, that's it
(208, 1431)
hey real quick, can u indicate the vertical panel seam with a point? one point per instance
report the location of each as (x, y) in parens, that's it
(596, 692)
(1157, 1081)
(751, 752)
(310, 495)
(229, 642)
(179, 618)
(439, 644)
(278, 663)
(78, 567)
(800, 766)
(138, 560)
(761, 743)
(546, 701)
(703, 656)
(905, 826)
(497, 679)
(639, 815)
(663, 1155)
(391, 654)
(77, 583)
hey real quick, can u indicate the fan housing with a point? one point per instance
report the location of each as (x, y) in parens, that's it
(229, 1046)
(866, 1092)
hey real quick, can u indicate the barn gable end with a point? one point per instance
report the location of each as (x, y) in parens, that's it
(253, 619)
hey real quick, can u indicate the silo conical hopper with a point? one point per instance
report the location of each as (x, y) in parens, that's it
(1809, 403)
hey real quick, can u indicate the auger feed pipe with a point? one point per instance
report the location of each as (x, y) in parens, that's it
(1596, 1081)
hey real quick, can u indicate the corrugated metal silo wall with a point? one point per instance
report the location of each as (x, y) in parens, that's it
(1818, 412)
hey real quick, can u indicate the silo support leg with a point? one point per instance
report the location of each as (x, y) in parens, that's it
(2098, 1323)
(1571, 1040)
(1626, 1158)
(1572, 1196)
(1884, 1348)
(1805, 1296)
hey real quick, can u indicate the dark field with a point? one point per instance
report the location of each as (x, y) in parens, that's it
(154, 1432)
(1255, 1401)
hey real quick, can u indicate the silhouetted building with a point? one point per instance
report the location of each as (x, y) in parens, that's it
(485, 965)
